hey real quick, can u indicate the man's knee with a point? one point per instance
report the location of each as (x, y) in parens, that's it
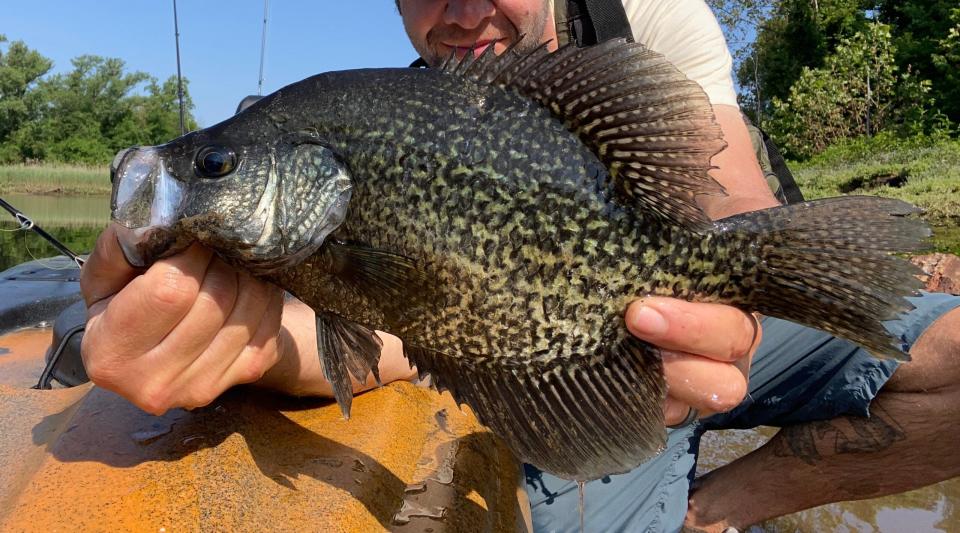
(935, 357)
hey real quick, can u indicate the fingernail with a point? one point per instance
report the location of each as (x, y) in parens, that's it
(648, 322)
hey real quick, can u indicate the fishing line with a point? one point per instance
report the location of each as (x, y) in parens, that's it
(42, 262)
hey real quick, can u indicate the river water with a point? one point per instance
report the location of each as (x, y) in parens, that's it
(78, 221)
(74, 221)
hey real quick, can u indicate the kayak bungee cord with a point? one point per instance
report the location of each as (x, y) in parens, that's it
(26, 223)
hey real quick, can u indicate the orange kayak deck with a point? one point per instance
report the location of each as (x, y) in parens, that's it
(85, 459)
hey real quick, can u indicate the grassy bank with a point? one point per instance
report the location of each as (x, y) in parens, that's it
(54, 179)
(924, 173)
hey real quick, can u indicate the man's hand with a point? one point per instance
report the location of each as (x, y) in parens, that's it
(706, 350)
(179, 333)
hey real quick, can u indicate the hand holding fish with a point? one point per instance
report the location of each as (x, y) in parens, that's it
(706, 350)
(179, 333)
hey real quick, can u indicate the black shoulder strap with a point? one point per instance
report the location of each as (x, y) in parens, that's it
(594, 21)
(788, 185)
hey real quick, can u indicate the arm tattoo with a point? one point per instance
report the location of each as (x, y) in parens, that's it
(852, 434)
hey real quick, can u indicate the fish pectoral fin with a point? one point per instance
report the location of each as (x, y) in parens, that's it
(374, 272)
(578, 419)
(346, 348)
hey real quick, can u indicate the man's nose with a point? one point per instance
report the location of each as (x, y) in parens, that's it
(468, 14)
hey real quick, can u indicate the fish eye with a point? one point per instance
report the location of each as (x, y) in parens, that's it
(215, 161)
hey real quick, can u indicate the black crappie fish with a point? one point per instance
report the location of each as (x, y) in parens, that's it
(498, 214)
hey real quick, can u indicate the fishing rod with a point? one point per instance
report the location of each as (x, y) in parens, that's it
(26, 223)
(176, 36)
(263, 48)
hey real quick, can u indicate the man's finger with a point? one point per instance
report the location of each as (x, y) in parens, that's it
(262, 351)
(719, 332)
(214, 303)
(675, 411)
(254, 298)
(708, 385)
(106, 270)
(140, 316)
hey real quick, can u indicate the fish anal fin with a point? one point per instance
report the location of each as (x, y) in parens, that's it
(346, 349)
(578, 419)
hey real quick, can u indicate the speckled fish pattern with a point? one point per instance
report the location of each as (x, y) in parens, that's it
(505, 210)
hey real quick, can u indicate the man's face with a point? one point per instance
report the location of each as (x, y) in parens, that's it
(438, 27)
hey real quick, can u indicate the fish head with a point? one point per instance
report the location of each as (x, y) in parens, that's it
(263, 200)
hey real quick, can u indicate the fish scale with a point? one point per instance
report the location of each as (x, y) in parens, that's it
(466, 273)
(498, 215)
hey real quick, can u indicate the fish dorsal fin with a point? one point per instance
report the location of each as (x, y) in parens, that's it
(651, 126)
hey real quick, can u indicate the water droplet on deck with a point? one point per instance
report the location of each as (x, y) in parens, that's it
(329, 462)
(152, 433)
(192, 438)
(441, 418)
(412, 510)
(416, 488)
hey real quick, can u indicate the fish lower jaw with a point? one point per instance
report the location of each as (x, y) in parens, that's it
(143, 246)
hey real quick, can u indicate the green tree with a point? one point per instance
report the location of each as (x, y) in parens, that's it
(796, 34)
(159, 113)
(921, 30)
(83, 110)
(96, 109)
(20, 71)
(860, 90)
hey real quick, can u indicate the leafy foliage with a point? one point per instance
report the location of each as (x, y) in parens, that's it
(947, 61)
(20, 70)
(84, 116)
(922, 30)
(860, 90)
(795, 34)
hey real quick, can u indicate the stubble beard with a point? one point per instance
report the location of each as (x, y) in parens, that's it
(432, 50)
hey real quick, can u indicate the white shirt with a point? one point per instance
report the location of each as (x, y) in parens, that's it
(687, 33)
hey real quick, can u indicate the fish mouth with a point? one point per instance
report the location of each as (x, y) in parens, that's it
(146, 203)
(144, 246)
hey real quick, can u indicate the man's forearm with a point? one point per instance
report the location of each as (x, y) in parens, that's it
(737, 170)
(298, 371)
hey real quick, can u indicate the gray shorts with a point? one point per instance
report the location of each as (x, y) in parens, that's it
(799, 374)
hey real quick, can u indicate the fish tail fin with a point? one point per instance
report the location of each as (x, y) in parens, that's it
(829, 264)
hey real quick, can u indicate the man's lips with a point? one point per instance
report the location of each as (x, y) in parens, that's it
(478, 47)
